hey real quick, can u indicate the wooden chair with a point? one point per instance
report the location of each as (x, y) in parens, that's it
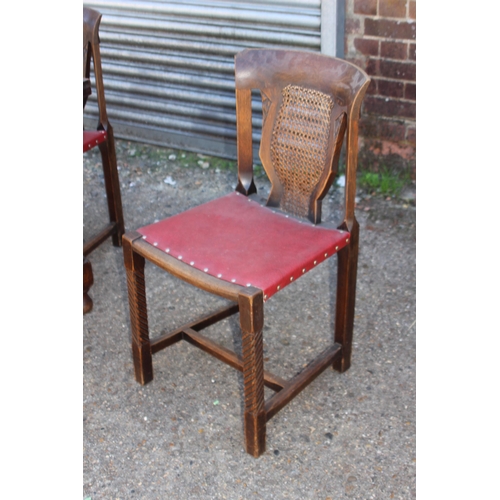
(237, 248)
(102, 136)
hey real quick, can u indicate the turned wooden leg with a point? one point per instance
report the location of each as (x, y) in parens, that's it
(141, 347)
(88, 281)
(346, 296)
(112, 183)
(251, 321)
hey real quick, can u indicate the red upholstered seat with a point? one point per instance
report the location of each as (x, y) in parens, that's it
(92, 138)
(238, 240)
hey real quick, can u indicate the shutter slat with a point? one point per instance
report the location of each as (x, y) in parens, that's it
(169, 66)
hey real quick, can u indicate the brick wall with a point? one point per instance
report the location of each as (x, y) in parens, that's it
(381, 39)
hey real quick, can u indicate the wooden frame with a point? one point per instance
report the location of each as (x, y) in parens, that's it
(271, 71)
(116, 226)
(91, 53)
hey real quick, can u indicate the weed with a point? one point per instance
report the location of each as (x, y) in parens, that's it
(159, 158)
(222, 164)
(187, 159)
(385, 182)
(258, 171)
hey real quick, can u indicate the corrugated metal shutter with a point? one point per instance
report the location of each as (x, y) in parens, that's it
(169, 66)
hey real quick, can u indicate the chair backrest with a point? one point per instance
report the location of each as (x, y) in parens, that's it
(309, 101)
(91, 53)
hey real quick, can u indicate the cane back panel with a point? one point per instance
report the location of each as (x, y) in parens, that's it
(299, 145)
(307, 101)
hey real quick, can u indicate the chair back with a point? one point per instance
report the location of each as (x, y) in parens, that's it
(91, 53)
(309, 101)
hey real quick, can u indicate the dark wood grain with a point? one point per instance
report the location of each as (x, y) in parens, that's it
(88, 281)
(187, 273)
(346, 297)
(141, 347)
(246, 184)
(170, 338)
(251, 302)
(92, 59)
(115, 228)
(91, 244)
(229, 357)
(272, 71)
(302, 380)
(308, 92)
(87, 90)
(88, 276)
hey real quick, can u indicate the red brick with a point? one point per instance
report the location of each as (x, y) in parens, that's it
(369, 126)
(390, 29)
(394, 50)
(411, 135)
(367, 7)
(411, 91)
(412, 51)
(392, 131)
(413, 9)
(372, 88)
(372, 66)
(389, 107)
(352, 27)
(398, 70)
(366, 46)
(392, 8)
(357, 61)
(390, 88)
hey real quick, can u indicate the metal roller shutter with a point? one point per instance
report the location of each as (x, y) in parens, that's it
(169, 66)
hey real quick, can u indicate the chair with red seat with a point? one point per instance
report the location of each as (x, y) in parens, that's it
(102, 136)
(246, 252)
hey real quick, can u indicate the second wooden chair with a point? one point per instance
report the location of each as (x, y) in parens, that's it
(102, 136)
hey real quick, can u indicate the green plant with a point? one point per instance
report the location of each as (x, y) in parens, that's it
(222, 163)
(385, 182)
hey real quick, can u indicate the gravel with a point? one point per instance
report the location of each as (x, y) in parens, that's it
(348, 435)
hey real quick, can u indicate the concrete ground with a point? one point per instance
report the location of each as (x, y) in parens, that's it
(348, 435)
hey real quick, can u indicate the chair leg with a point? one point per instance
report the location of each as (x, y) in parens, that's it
(112, 182)
(141, 347)
(88, 281)
(346, 295)
(251, 321)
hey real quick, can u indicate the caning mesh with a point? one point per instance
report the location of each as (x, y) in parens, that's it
(299, 145)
